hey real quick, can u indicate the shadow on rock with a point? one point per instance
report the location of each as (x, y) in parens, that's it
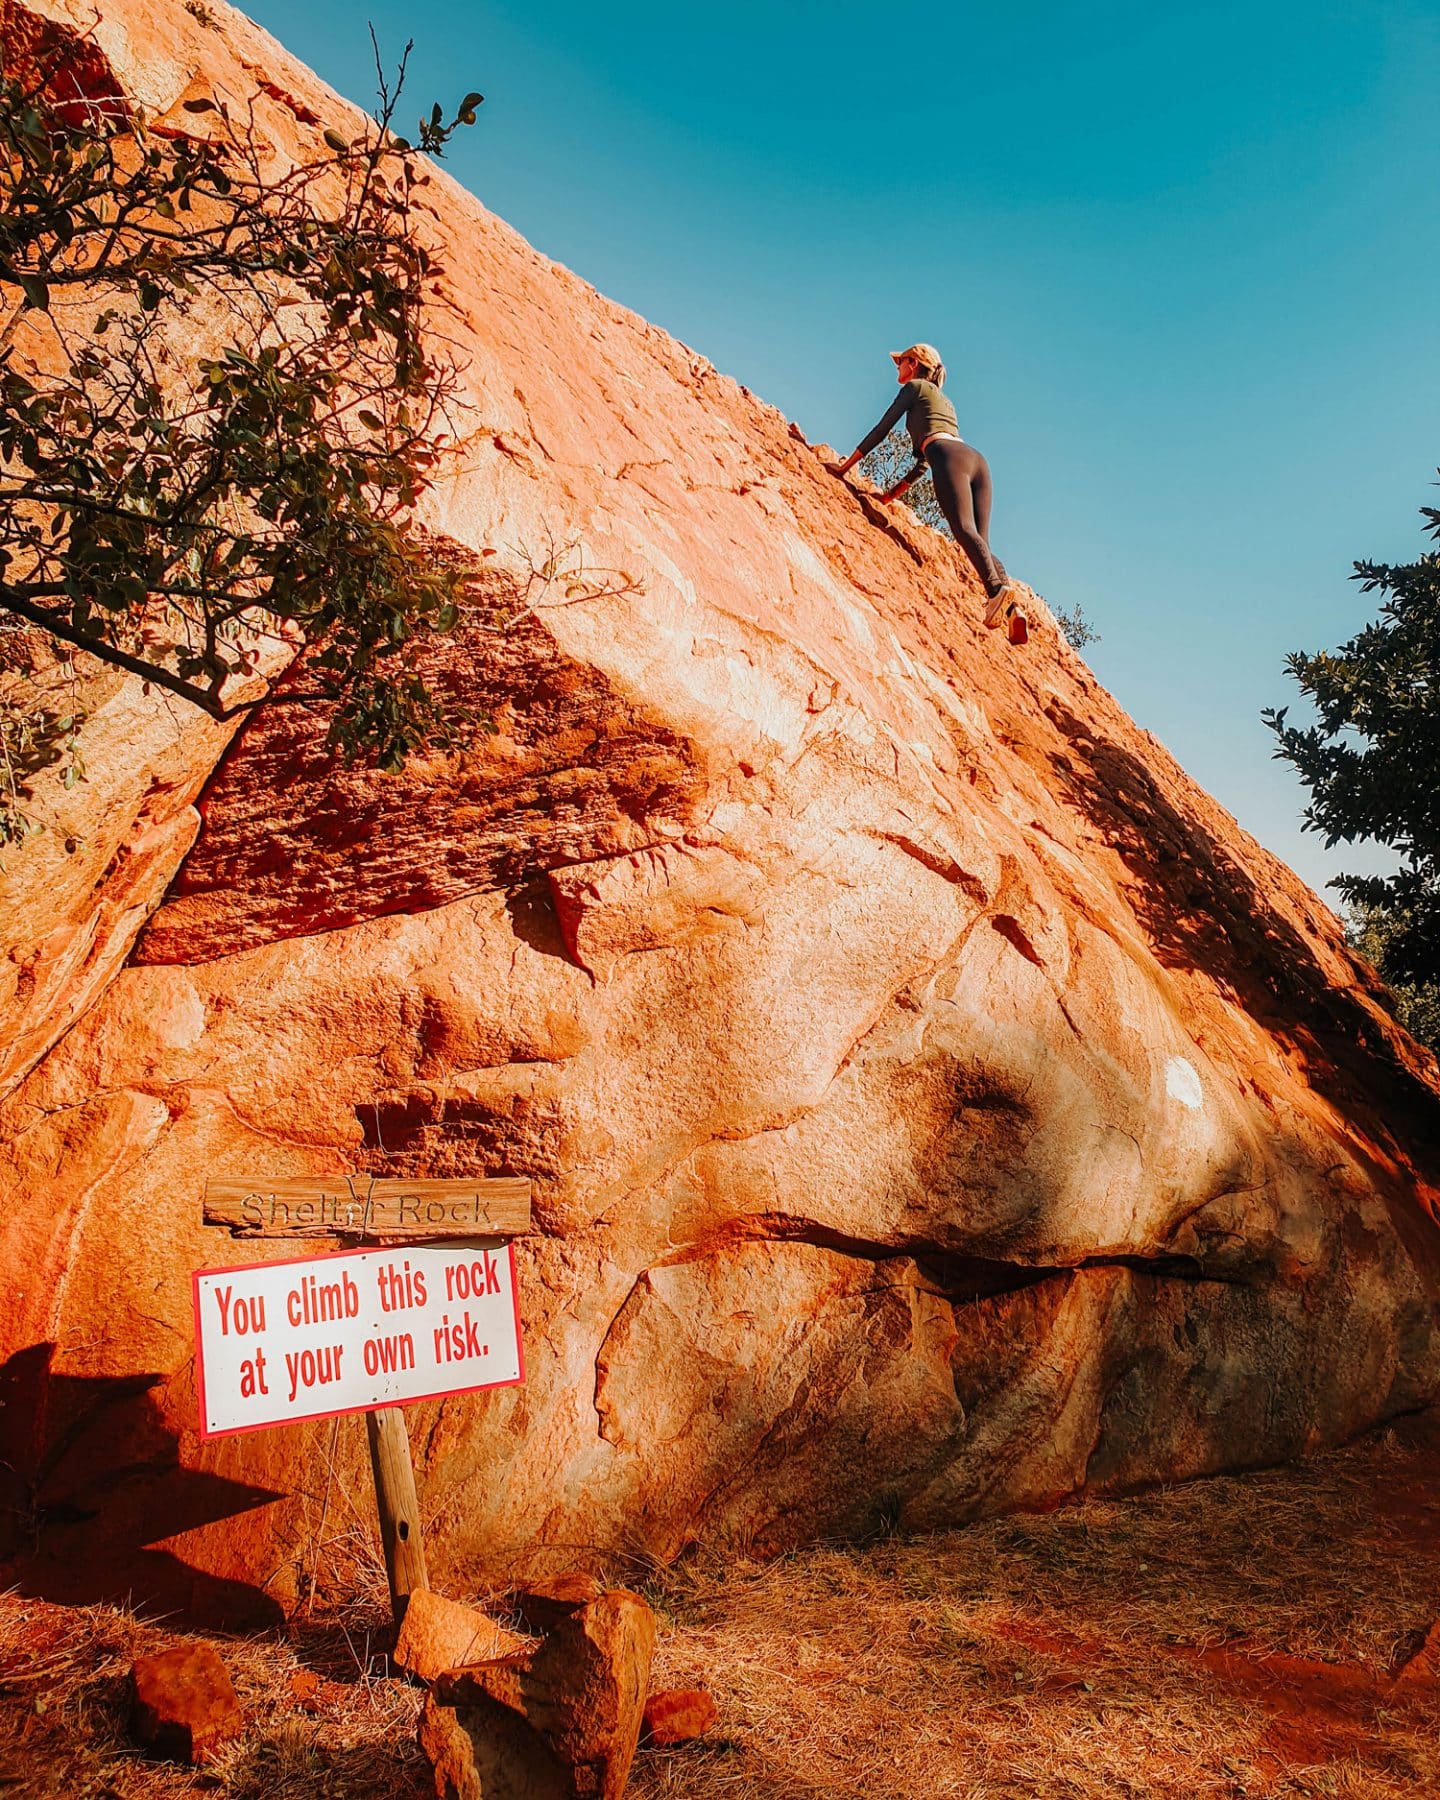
(90, 1478)
(1204, 910)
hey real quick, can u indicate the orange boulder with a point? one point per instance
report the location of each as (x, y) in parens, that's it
(185, 1706)
(677, 1716)
(935, 1103)
(437, 1634)
(562, 1723)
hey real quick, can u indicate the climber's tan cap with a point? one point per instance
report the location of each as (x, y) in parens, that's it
(925, 354)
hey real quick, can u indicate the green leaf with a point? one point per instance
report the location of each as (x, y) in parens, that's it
(36, 291)
(336, 142)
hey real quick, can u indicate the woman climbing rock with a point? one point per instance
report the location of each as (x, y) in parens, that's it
(960, 473)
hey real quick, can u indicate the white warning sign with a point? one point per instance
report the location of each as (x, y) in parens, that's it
(278, 1342)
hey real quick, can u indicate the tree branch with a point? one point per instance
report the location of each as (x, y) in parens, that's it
(111, 653)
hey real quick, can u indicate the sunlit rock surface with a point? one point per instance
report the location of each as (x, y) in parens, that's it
(935, 1102)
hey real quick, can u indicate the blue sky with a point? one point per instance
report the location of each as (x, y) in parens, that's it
(1183, 263)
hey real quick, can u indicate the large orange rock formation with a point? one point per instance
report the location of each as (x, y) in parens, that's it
(935, 1102)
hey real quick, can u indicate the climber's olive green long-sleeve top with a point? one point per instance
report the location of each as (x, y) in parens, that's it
(925, 410)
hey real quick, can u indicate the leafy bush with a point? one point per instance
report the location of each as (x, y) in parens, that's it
(1372, 930)
(220, 402)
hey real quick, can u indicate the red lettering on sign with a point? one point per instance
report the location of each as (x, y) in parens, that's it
(312, 1368)
(387, 1355)
(479, 1279)
(245, 1315)
(336, 1346)
(316, 1303)
(455, 1343)
(399, 1288)
(252, 1377)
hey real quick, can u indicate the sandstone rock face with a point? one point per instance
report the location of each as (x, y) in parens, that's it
(74, 896)
(935, 1103)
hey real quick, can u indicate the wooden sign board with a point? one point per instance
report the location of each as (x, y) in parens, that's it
(306, 1338)
(356, 1206)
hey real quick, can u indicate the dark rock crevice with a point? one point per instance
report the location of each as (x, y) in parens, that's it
(955, 1275)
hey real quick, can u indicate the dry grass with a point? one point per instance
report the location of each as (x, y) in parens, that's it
(326, 1720)
(1231, 1637)
(1234, 1637)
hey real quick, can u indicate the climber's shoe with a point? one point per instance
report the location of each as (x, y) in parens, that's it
(1017, 628)
(1001, 603)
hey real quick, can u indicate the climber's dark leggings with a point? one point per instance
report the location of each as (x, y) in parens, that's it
(962, 486)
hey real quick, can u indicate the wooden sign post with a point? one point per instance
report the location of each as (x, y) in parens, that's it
(398, 1505)
(422, 1304)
